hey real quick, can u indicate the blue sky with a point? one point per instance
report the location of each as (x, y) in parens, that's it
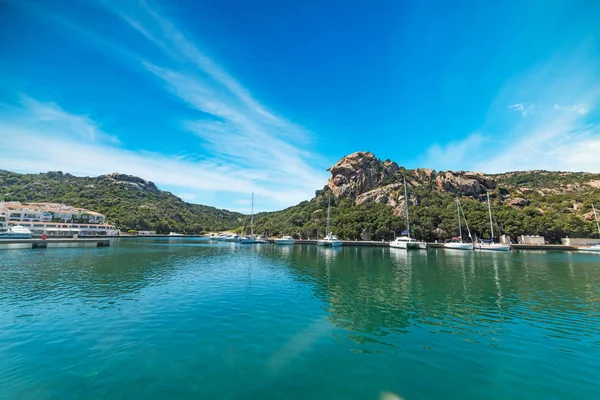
(213, 100)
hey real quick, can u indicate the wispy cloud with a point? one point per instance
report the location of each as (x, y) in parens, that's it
(580, 109)
(245, 146)
(524, 108)
(560, 131)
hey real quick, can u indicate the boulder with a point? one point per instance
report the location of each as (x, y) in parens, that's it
(516, 202)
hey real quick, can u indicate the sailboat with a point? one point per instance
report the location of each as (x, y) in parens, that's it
(459, 245)
(329, 239)
(405, 241)
(489, 245)
(251, 239)
(595, 248)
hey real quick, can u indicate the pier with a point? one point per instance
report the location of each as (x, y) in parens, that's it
(7, 244)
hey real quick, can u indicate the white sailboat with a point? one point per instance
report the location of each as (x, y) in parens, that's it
(329, 239)
(250, 239)
(405, 241)
(490, 245)
(459, 245)
(594, 248)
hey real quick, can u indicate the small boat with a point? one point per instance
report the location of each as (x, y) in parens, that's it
(285, 240)
(221, 237)
(232, 238)
(489, 245)
(405, 241)
(595, 248)
(459, 244)
(329, 239)
(14, 231)
(251, 239)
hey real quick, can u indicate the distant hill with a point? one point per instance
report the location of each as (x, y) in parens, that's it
(368, 202)
(128, 201)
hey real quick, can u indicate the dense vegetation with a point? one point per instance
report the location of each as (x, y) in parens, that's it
(130, 203)
(433, 214)
(556, 205)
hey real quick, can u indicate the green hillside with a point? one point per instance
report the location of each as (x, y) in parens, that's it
(127, 201)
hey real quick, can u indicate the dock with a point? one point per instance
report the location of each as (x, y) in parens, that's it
(6, 244)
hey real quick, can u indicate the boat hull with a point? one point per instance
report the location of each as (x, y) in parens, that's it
(284, 242)
(329, 243)
(594, 249)
(458, 246)
(13, 235)
(493, 247)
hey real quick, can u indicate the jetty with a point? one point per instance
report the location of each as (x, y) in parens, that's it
(7, 244)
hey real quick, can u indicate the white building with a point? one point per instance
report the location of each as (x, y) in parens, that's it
(579, 241)
(54, 219)
(531, 239)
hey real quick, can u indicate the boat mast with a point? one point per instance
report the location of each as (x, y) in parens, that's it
(252, 218)
(328, 211)
(406, 204)
(596, 216)
(490, 210)
(459, 225)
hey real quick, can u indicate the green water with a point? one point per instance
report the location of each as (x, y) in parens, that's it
(181, 318)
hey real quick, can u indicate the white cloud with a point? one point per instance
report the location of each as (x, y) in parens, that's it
(41, 136)
(559, 132)
(245, 147)
(524, 108)
(580, 109)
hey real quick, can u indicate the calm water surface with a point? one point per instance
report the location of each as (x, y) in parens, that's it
(183, 318)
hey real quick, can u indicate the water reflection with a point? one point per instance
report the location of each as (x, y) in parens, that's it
(381, 292)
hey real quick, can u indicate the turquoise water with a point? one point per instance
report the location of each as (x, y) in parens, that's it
(183, 318)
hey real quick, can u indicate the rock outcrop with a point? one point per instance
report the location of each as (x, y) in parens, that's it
(364, 178)
(358, 173)
(130, 180)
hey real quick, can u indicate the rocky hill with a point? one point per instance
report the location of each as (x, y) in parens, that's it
(369, 202)
(128, 201)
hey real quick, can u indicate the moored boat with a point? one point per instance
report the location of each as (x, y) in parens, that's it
(14, 231)
(594, 248)
(284, 240)
(405, 241)
(329, 239)
(489, 245)
(459, 244)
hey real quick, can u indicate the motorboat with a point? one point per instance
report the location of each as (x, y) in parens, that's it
(13, 231)
(285, 240)
(232, 238)
(329, 239)
(262, 239)
(489, 245)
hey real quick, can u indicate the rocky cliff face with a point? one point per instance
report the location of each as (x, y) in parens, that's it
(364, 178)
